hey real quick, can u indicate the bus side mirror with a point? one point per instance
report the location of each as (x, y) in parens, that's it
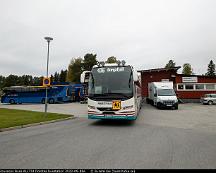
(84, 77)
(155, 94)
(137, 83)
(135, 77)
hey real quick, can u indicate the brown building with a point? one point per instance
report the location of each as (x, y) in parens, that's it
(188, 88)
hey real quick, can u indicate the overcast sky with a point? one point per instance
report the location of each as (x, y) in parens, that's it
(145, 33)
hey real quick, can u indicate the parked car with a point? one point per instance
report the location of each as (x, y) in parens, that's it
(209, 99)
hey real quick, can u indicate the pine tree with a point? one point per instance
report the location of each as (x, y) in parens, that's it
(211, 69)
(170, 64)
(56, 77)
(63, 75)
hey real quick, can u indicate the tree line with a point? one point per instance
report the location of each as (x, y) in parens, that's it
(77, 66)
(28, 80)
(187, 68)
(72, 74)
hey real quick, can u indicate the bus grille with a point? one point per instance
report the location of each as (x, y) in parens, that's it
(105, 109)
(108, 112)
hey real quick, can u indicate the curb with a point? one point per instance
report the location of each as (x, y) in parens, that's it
(36, 124)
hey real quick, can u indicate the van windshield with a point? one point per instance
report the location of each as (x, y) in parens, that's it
(166, 92)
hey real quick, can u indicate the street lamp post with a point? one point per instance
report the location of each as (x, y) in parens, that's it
(48, 39)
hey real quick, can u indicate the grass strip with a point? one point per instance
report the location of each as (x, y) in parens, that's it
(13, 117)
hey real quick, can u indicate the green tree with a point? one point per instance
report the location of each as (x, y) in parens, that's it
(51, 78)
(37, 81)
(2, 81)
(111, 59)
(12, 80)
(25, 80)
(74, 70)
(170, 64)
(56, 77)
(89, 61)
(63, 76)
(187, 69)
(211, 69)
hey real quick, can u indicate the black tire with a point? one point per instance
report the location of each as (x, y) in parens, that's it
(43, 101)
(158, 106)
(176, 107)
(12, 101)
(210, 102)
(51, 101)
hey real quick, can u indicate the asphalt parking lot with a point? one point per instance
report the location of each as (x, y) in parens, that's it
(184, 138)
(188, 116)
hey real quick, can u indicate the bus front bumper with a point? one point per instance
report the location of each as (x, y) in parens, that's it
(112, 117)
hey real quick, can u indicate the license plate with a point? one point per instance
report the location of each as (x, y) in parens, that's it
(108, 115)
(116, 104)
(169, 105)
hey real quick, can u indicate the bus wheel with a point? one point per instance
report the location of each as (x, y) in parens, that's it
(12, 101)
(43, 101)
(51, 101)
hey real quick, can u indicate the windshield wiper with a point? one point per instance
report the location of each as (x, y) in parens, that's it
(130, 79)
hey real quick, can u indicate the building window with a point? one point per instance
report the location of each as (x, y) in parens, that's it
(196, 86)
(210, 86)
(180, 87)
(189, 87)
(199, 86)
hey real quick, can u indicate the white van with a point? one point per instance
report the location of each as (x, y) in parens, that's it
(162, 95)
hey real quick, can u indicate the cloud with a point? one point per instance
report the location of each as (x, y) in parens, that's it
(144, 33)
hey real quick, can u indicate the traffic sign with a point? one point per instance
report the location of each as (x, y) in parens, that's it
(46, 81)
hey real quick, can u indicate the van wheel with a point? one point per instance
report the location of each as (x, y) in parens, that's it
(210, 102)
(12, 101)
(43, 101)
(51, 101)
(158, 106)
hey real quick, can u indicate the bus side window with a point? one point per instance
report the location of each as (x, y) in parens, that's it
(67, 92)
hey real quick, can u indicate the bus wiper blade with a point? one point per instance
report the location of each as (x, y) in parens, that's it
(130, 79)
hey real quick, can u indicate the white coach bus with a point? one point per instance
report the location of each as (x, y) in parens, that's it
(113, 92)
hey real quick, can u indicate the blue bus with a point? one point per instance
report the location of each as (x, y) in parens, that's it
(37, 94)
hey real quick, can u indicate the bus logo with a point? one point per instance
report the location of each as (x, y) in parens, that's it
(116, 105)
(101, 70)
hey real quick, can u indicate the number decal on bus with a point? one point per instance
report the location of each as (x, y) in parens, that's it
(116, 105)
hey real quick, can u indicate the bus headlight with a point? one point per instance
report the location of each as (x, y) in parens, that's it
(127, 107)
(91, 107)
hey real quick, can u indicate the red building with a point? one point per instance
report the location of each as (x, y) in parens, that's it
(188, 88)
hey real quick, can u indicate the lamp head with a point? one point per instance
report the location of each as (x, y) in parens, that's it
(123, 63)
(48, 39)
(119, 63)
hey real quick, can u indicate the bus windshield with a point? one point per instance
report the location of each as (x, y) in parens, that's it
(166, 92)
(111, 82)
